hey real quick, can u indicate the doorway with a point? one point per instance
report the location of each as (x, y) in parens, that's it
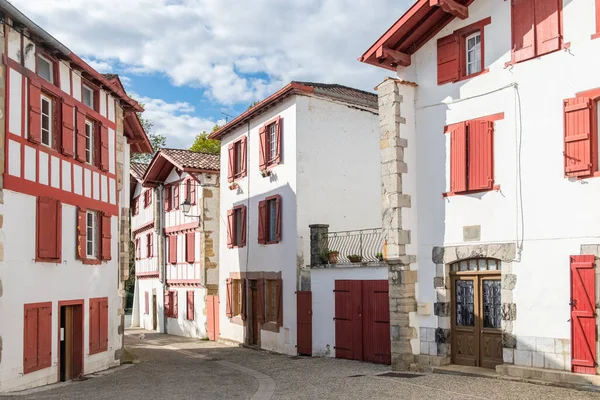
(253, 335)
(476, 313)
(154, 313)
(70, 340)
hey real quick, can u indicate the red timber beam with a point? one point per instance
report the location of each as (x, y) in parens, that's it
(451, 7)
(396, 56)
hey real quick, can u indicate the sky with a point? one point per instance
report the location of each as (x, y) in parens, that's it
(195, 63)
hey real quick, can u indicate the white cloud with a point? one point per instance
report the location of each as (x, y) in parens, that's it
(101, 66)
(215, 44)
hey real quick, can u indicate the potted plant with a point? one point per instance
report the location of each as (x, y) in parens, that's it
(265, 173)
(355, 258)
(233, 186)
(379, 256)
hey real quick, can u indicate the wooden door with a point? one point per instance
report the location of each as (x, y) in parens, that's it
(154, 313)
(68, 344)
(490, 310)
(212, 305)
(465, 337)
(254, 339)
(348, 319)
(583, 315)
(376, 322)
(304, 315)
(71, 342)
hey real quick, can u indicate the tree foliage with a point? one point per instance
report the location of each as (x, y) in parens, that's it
(203, 144)
(157, 140)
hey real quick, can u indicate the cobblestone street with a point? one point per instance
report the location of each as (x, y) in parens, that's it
(172, 367)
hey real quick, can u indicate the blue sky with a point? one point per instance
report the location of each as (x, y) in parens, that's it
(190, 61)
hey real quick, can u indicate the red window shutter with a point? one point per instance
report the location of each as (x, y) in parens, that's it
(231, 162)
(458, 158)
(45, 337)
(547, 26)
(146, 303)
(481, 156)
(597, 16)
(168, 198)
(262, 222)
(279, 302)
(583, 314)
(448, 59)
(176, 196)
(175, 304)
(243, 153)
(68, 128)
(190, 247)
(229, 298)
(103, 147)
(173, 249)
(578, 141)
(167, 304)
(243, 208)
(81, 233)
(35, 106)
(523, 33)
(278, 219)
(106, 236)
(192, 191)
(103, 326)
(80, 136)
(262, 141)
(190, 305)
(230, 228)
(94, 326)
(279, 132)
(30, 348)
(49, 228)
(260, 302)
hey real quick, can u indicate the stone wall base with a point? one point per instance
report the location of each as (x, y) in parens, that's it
(422, 361)
(559, 377)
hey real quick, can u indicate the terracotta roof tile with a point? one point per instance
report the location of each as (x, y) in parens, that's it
(340, 91)
(193, 159)
(138, 170)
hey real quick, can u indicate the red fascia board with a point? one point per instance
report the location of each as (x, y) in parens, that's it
(135, 131)
(291, 88)
(156, 165)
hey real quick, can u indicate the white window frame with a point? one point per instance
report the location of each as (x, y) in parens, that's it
(272, 142)
(476, 48)
(51, 67)
(89, 152)
(93, 232)
(42, 116)
(86, 87)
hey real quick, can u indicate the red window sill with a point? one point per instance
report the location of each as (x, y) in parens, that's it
(464, 78)
(267, 243)
(92, 262)
(495, 188)
(48, 260)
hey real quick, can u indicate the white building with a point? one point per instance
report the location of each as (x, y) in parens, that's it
(492, 130)
(308, 154)
(64, 198)
(175, 210)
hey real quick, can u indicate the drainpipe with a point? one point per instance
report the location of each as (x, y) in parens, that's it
(158, 228)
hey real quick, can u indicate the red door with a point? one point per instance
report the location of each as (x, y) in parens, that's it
(304, 313)
(583, 315)
(212, 329)
(348, 320)
(376, 322)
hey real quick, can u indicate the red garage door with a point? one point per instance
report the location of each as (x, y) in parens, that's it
(362, 321)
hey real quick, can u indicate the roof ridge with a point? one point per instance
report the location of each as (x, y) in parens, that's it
(192, 151)
(336, 85)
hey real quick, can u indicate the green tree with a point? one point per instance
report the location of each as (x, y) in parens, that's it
(157, 140)
(203, 144)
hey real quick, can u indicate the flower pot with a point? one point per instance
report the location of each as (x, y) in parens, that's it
(333, 258)
(355, 259)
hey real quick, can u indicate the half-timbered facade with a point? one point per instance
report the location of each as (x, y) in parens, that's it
(65, 146)
(489, 134)
(175, 204)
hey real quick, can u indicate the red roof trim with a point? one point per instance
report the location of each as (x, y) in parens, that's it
(135, 133)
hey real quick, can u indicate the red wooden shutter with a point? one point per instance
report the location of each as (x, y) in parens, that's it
(80, 137)
(167, 304)
(597, 16)
(583, 320)
(547, 26)
(448, 59)
(578, 141)
(106, 236)
(192, 191)
(35, 106)
(262, 222)
(48, 228)
(68, 128)
(190, 246)
(30, 347)
(103, 148)
(176, 197)
(103, 326)
(243, 312)
(481, 157)
(523, 33)
(243, 211)
(243, 153)
(81, 233)
(173, 249)
(146, 303)
(279, 133)
(45, 337)
(458, 158)
(262, 141)
(168, 200)
(279, 302)
(230, 162)
(260, 302)
(190, 305)
(175, 304)
(278, 217)
(230, 228)
(94, 326)
(229, 298)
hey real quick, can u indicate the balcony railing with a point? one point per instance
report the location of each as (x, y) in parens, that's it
(362, 246)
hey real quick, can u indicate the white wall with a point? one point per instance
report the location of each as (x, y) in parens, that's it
(145, 215)
(559, 214)
(151, 286)
(181, 326)
(323, 302)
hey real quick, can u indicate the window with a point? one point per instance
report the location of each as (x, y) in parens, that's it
(270, 144)
(48, 229)
(88, 96)
(171, 307)
(45, 69)
(138, 250)
(136, 205)
(98, 325)
(149, 245)
(271, 309)
(147, 198)
(471, 155)
(173, 249)
(190, 247)
(473, 53)
(536, 28)
(236, 227)
(168, 198)
(46, 117)
(92, 235)
(237, 160)
(37, 346)
(190, 191)
(190, 305)
(235, 297)
(269, 220)
(89, 142)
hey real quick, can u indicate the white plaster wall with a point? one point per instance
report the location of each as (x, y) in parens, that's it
(14, 44)
(323, 302)
(146, 264)
(152, 286)
(180, 326)
(65, 77)
(558, 214)
(29, 53)
(176, 217)
(25, 281)
(76, 86)
(145, 215)
(15, 102)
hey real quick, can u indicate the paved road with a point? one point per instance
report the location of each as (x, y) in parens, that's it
(178, 368)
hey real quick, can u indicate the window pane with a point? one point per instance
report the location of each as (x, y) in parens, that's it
(474, 53)
(491, 304)
(272, 220)
(272, 142)
(238, 157)
(44, 69)
(88, 97)
(238, 227)
(465, 306)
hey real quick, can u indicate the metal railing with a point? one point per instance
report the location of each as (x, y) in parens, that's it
(362, 246)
